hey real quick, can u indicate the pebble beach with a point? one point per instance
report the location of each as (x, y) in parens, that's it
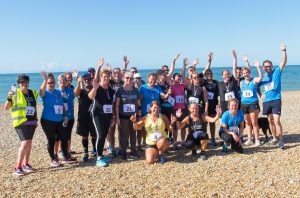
(264, 171)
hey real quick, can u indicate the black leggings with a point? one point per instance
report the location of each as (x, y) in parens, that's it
(101, 124)
(227, 138)
(53, 130)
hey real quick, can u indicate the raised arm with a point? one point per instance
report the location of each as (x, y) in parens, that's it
(137, 125)
(165, 96)
(284, 56)
(100, 63)
(169, 75)
(181, 125)
(246, 61)
(93, 92)
(185, 80)
(234, 64)
(126, 62)
(195, 63)
(260, 76)
(209, 59)
(44, 84)
(77, 88)
(207, 118)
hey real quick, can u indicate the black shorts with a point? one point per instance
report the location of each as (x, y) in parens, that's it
(272, 107)
(25, 132)
(68, 129)
(250, 108)
(85, 127)
(147, 146)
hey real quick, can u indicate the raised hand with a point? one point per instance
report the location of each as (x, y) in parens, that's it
(196, 62)
(100, 62)
(234, 54)
(126, 60)
(173, 119)
(210, 56)
(176, 57)
(44, 75)
(10, 94)
(219, 109)
(245, 58)
(79, 79)
(133, 118)
(185, 62)
(256, 63)
(75, 73)
(108, 67)
(95, 84)
(178, 113)
(283, 46)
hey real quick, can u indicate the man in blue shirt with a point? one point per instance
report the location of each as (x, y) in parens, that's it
(271, 86)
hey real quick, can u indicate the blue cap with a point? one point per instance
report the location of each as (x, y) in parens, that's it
(86, 75)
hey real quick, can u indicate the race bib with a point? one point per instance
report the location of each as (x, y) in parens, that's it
(129, 108)
(193, 99)
(171, 100)
(234, 129)
(247, 93)
(210, 95)
(148, 108)
(229, 95)
(269, 86)
(196, 134)
(179, 99)
(155, 136)
(107, 108)
(30, 110)
(66, 106)
(58, 109)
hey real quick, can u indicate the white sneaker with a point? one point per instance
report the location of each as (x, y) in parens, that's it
(248, 143)
(257, 143)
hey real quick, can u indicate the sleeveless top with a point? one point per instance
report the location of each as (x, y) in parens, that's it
(249, 92)
(154, 130)
(198, 125)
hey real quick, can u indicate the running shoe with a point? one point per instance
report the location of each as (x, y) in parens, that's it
(162, 159)
(281, 145)
(175, 147)
(101, 163)
(213, 142)
(225, 148)
(203, 155)
(257, 143)
(248, 143)
(106, 159)
(273, 142)
(194, 152)
(94, 152)
(85, 157)
(69, 160)
(123, 155)
(183, 144)
(19, 172)
(60, 154)
(134, 154)
(55, 163)
(27, 168)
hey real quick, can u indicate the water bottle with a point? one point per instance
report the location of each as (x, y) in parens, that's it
(65, 121)
(14, 89)
(81, 84)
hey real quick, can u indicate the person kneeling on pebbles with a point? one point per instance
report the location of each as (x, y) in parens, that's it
(156, 137)
(195, 122)
(232, 127)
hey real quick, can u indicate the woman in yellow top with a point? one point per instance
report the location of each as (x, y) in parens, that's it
(156, 137)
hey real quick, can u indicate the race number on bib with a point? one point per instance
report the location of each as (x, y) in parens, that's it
(155, 136)
(107, 108)
(210, 95)
(193, 99)
(197, 134)
(269, 86)
(129, 108)
(247, 93)
(229, 95)
(234, 129)
(171, 100)
(179, 99)
(66, 106)
(30, 110)
(58, 109)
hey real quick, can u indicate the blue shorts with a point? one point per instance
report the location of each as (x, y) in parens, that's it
(272, 107)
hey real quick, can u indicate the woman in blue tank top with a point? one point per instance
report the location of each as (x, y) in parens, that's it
(250, 105)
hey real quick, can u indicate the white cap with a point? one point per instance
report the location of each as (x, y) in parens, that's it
(137, 75)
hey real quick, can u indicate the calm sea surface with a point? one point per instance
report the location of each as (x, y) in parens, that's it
(290, 78)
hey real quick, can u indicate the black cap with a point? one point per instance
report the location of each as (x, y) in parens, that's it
(160, 72)
(200, 75)
(176, 75)
(91, 69)
(22, 78)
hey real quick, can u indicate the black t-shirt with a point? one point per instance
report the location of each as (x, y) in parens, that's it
(197, 92)
(212, 92)
(164, 103)
(115, 85)
(128, 102)
(84, 103)
(103, 103)
(228, 89)
(30, 99)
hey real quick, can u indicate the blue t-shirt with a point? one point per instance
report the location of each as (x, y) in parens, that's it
(232, 120)
(69, 99)
(249, 92)
(53, 106)
(271, 85)
(148, 94)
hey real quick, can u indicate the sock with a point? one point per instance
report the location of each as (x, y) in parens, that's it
(18, 166)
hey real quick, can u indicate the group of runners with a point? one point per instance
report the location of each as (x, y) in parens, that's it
(147, 115)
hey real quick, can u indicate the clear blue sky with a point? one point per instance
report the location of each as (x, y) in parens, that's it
(60, 35)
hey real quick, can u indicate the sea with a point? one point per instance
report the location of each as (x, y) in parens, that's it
(289, 79)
